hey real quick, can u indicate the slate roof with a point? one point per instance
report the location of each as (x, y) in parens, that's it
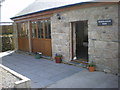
(41, 6)
(2, 1)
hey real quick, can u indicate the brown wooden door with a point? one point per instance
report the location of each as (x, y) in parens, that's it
(23, 44)
(41, 37)
(42, 45)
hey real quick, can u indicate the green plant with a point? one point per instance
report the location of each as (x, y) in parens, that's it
(58, 58)
(91, 64)
(58, 55)
(7, 43)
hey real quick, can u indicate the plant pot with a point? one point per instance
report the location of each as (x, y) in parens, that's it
(58, 59)
(37, 56)
(91, 69)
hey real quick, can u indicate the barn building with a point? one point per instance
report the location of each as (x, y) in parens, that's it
(86, 30)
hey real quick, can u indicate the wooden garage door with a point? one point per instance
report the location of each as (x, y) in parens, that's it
(41, 37)
(42, 45)
(23, 42)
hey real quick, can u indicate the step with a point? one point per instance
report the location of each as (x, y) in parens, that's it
(78, 63)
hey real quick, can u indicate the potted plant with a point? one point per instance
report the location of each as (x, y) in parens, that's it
(58, 58)
(38, 55)
(91, 66)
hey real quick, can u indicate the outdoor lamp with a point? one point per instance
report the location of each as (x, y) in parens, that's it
(58, 16)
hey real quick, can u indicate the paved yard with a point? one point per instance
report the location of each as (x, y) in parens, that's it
(88, 80)
(42, 72)
(46, 73)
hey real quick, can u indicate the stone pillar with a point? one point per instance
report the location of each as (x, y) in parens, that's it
(70, 46)
(29, 37)
(15, 35)
(74, 41)
(60, 32)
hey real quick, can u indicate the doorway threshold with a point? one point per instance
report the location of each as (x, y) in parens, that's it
(79, 62)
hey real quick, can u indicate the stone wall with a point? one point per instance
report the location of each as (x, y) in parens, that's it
(11, 79)
(7, 79)
(103, 40)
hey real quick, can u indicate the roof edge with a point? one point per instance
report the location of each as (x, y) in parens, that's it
(82, 3)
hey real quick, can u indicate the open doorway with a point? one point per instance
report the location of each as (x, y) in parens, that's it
(80, 40)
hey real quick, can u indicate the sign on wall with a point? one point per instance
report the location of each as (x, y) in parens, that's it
(106, 22)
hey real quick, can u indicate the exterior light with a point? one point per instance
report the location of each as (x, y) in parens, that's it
(58, 16)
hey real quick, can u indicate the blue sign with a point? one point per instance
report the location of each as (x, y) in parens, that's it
(106, 22)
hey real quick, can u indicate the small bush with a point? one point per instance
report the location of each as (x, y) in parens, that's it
(7, 43)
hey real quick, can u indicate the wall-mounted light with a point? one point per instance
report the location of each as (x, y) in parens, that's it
(58, 16)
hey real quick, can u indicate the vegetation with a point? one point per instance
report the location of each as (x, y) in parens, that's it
(58, 55)
(6, 36)
(91, 64)
(7, 44)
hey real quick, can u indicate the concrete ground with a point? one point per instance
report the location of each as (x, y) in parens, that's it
(87, 80)
(42, 72)
(47, 74)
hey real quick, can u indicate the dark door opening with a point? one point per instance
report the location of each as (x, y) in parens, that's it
(80, 40)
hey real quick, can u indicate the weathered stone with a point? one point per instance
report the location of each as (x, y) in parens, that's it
(94, 35)
(91, 43)
(108, 53)
(112, 45)
(100, 44)
(103, 40)
(109, 36)
(12, 79)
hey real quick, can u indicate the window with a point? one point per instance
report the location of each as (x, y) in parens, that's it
(40, 29)
(44, 29)
(19, 29)
(34, 29)
(23, 29)
(49, 29)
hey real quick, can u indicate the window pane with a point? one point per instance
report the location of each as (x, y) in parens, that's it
(26, 29)
(19, 29)
(46, 28)
(22, 29)
(49, 29)
(34, 30)
(40, 29)
(42, 32)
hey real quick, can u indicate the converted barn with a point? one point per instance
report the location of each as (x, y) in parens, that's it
(87, 31)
